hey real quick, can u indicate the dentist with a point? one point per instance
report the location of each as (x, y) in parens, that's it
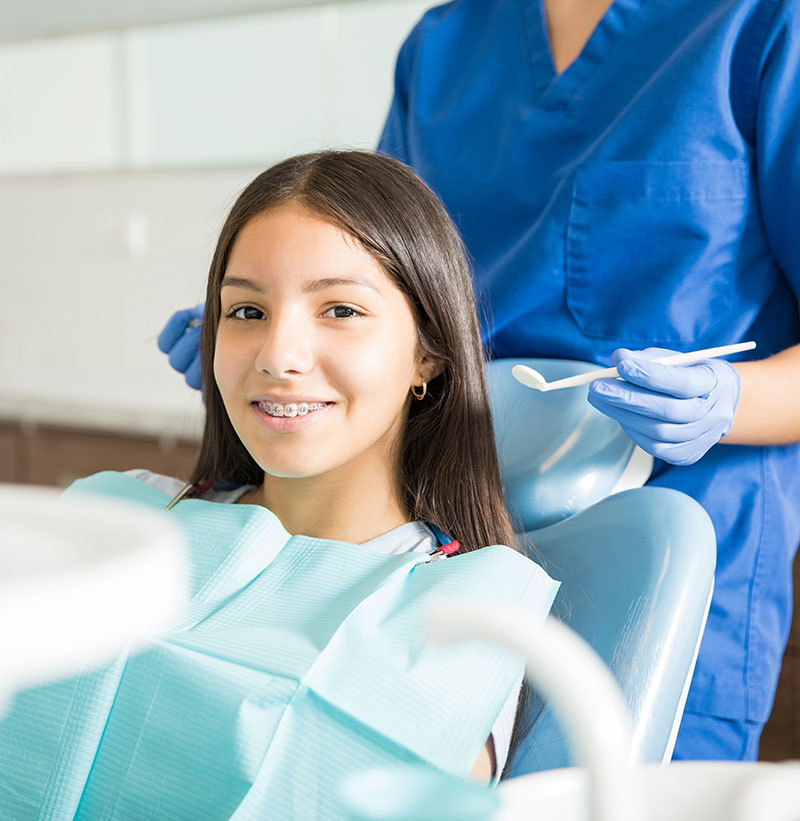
(626, 176)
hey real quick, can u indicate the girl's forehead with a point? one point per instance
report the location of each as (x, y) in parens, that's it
(294, 244)
(292, 229)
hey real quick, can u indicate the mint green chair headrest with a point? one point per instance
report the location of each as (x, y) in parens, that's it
(558, 454)
(636, 567)
(637, 573)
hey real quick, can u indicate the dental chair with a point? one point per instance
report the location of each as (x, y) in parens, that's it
(636, 563)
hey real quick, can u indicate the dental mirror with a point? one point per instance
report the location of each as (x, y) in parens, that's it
(531, 378)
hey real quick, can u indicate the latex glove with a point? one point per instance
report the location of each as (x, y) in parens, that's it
(182, 343)
(674, 412)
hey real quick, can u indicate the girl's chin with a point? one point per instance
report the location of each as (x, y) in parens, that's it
(308, 467)
(293, 468)
(272, 472)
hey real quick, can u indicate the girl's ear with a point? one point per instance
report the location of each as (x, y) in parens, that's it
(430, 368)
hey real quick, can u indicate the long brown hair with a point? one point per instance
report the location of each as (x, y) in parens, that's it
(448, 459)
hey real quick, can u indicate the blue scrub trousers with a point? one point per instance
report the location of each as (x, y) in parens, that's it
(709, 738)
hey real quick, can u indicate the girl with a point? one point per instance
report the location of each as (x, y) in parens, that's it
(346, 404)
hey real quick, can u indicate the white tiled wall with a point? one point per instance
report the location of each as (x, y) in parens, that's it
(92, 266)
(249, 88)
(241, 90)
(367, 46)
(58, 104)
(119, 156)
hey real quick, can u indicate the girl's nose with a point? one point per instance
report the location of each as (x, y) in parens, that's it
(286, 348)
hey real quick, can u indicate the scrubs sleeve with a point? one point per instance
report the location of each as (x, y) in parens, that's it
(777, 122)
(394, 140)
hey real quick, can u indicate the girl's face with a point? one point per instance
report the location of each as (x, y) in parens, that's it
(316, 349)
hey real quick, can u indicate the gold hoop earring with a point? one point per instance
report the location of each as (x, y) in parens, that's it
(423, 391)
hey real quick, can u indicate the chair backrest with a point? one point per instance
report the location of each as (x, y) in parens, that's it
(637, 567)
(637, 573)
(558, 455)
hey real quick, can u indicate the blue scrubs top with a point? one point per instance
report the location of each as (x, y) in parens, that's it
(647, 196)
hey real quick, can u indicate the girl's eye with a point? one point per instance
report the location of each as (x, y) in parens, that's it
(246, 312)
(341, 312)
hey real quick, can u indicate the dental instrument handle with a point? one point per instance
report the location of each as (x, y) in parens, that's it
(672, 359)
(571, 676)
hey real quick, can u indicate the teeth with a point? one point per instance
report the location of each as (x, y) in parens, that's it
(291, 409)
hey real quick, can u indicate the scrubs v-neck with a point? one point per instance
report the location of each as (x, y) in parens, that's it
(646, 196)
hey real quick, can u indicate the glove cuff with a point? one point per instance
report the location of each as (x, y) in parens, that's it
(736, 387)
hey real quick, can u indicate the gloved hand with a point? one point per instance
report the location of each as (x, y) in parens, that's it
(674, 412)
(182, 343)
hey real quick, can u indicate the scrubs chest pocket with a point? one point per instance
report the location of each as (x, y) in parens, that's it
(651, 248)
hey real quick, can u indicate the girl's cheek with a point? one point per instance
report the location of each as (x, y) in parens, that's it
(221, 369)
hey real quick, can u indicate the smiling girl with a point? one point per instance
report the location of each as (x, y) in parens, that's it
(315, 357)
(348, 443)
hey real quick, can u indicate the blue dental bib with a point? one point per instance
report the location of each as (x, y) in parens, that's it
(296, 663)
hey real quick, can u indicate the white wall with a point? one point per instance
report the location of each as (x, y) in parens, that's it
(119, 156)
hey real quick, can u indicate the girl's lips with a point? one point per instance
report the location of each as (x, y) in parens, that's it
(290, 408)
(288, 424)
(284, 401)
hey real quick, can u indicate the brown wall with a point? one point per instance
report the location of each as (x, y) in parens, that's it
(781, 738)
(50, 455)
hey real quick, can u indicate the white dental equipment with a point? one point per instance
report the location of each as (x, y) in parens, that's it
(611, 786)
(565, 670)
(533, 379)
(72, 571)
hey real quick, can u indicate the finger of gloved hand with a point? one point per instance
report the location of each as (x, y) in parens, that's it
(176, 327)
(184, 351)
(647, 353)
(659, 430)
(684, 453)
(607, 395)
(676, 453)
(194, 374)
(682, 381)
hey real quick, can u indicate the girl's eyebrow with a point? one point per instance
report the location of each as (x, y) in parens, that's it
(331, 282)
(241, 282)
(308, 287)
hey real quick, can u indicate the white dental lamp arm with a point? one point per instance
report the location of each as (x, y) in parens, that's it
(575, 681)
